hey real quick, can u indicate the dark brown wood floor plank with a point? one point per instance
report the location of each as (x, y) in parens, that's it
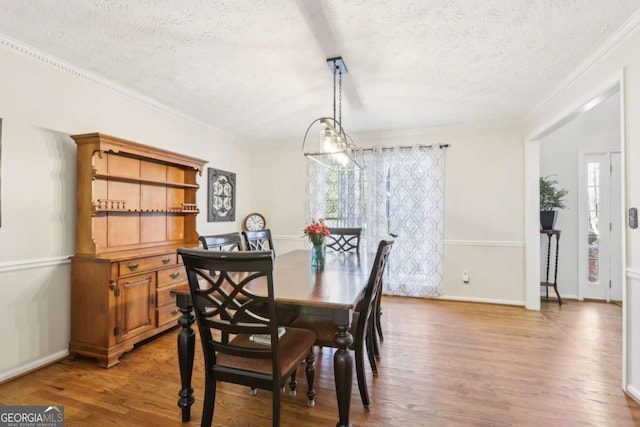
(443, 363)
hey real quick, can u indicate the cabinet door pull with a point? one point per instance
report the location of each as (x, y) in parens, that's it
(166, 260)
(174, 274)
(133, 267)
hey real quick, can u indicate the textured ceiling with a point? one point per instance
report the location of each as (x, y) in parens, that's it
(256, 70)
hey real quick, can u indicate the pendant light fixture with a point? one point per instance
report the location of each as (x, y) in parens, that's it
(333, 149)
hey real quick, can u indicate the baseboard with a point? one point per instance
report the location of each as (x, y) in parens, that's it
(32, 366)
(482, 300)
(634, 392)
(552, 295)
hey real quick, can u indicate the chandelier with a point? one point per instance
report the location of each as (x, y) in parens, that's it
(333, 149)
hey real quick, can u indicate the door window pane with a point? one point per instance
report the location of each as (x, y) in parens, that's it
(593, 194)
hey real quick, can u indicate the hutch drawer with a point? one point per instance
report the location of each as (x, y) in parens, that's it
(170, 276)
(168, 314)
(137, 265)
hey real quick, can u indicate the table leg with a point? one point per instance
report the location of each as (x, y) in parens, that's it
(343, 373)
(186, 351)
(555, 273)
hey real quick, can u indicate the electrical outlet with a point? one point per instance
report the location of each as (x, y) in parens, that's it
(465, 277)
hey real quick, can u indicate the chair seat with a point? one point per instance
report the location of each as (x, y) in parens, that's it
(292, 346)
(325, 329)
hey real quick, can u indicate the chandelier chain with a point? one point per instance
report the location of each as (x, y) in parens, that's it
(335, 67)
(340, 101)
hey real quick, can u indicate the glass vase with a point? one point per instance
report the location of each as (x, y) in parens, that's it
(317, 254)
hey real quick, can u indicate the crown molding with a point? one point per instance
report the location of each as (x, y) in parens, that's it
(61, 65)
(435, 130)
(608, 46)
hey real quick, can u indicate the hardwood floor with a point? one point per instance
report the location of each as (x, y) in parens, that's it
(443, 364)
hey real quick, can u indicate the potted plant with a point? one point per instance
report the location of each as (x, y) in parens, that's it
(551, 198)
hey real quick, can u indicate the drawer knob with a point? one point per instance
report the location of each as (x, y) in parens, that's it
(166, 260)
(174, 274)
(133, 267)
(174, 312)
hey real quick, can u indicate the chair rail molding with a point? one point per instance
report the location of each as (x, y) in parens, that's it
(300, 237)
(301, 243)
(504, 243)
(493, 243)
(33, 263)
(633, 273)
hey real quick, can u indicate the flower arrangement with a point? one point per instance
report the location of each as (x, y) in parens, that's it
(316, 231)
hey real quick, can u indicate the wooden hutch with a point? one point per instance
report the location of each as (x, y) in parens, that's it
(135, 205)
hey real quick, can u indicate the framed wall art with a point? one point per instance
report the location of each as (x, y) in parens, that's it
(222, 195)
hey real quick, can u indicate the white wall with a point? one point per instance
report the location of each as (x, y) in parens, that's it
(41, 105)
(595, 130)
(621, 60)
(484, 231)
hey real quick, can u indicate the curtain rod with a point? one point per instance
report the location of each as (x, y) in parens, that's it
(407, 147)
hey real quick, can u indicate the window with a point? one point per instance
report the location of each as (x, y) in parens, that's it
(593, 196)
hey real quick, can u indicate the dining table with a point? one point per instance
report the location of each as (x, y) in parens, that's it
(331, 291)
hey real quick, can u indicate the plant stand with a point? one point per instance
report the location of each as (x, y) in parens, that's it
(546, 283)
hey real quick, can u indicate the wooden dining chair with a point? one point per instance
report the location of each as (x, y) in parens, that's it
(348, 240)
(376, 329)
(258, 240)
(343, 239)
(222, 242)
(257, 354)
(362, 322)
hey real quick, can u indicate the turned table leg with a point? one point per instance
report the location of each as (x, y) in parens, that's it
(186, 351)
(343, 373)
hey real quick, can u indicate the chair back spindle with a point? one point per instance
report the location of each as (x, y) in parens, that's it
(222, 242)
(259, 240)
(344, 239)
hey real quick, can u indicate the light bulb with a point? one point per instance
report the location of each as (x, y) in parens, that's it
(326, 137)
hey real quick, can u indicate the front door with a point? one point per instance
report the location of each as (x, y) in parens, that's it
(600, 270)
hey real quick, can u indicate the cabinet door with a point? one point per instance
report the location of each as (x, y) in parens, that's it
(135, 309)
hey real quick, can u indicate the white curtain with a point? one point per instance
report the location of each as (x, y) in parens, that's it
(406, 203)
(316, 194)
(338, 197)
(398, 195)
